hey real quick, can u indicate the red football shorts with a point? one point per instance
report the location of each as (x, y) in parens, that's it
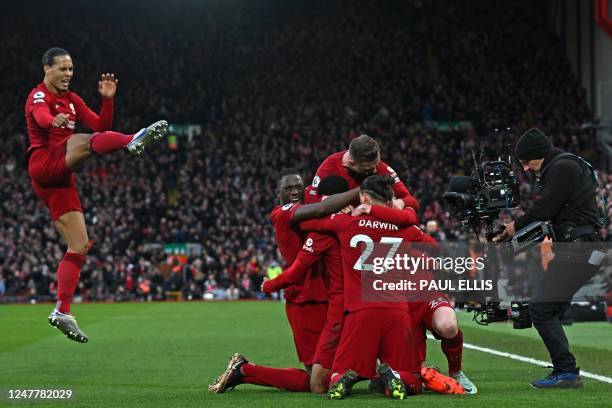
(330, 337)
(422, 316)
(307, 321)
(53, 183)
(369, 334)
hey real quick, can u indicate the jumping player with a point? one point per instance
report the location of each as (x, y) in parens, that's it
(54, 154)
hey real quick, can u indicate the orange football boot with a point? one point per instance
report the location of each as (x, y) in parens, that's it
(438, 382)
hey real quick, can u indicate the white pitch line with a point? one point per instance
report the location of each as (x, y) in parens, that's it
(528, 360)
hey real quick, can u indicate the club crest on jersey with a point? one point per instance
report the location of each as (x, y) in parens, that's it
(287, 206)
(308, 245)
(39, 95)
(315, 181)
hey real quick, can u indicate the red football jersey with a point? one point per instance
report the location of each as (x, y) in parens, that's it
(357, 236)
(42, 106)
(332, 165)
(290, 239)
(319, 245)
(316, 248)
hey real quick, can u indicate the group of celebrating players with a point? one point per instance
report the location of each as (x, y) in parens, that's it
(340, 337)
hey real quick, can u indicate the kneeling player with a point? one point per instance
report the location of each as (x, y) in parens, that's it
(381, 329)
(319, 245)
(241, 371)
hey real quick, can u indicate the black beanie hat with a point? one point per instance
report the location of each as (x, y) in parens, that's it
(533, 144)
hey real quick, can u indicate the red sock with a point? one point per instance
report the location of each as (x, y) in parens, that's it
(334, 378)
(453, 349)
(412, 382)
(290, 379)
(255, 381)
(108, 142)
(68, 273)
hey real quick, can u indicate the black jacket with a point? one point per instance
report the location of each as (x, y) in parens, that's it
(558, 201)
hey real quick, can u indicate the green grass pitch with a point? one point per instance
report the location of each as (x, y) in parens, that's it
(165, 354)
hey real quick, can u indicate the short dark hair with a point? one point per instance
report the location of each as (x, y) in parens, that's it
(331, 185)
(364, 149)
(287, 172)
(379, 186)
(48, 57)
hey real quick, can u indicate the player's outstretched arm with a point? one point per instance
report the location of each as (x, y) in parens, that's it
(290, 276)
(107, 87)
(403, 218)
(330, 205)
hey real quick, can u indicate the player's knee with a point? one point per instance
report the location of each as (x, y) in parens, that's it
(316, 387)
(79, 247)
(317, 375)
(80, 141)
(446, 327)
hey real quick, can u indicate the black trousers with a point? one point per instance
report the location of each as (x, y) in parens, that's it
(551, 298)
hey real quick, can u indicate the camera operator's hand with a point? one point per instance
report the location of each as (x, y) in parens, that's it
(546, 253)
(508, 233)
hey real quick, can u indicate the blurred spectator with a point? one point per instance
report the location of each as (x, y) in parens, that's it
(271, 89)
(232, 293)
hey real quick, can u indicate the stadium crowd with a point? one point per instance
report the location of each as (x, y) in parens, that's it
(271, 90)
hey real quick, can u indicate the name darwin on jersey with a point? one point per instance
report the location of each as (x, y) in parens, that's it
(378, 225)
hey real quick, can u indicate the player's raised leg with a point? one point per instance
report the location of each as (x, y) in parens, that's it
(71, 226)
(80, 147)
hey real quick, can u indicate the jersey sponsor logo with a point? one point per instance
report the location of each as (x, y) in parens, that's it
(390, 170)
(315, 181)
(378, 225)
(287, 206)
(72, 109)
(39, 95)
(39, 101)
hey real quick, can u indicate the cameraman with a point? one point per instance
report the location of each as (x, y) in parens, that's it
(567, 199)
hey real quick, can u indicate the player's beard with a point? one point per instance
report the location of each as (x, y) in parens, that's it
(358, 176)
